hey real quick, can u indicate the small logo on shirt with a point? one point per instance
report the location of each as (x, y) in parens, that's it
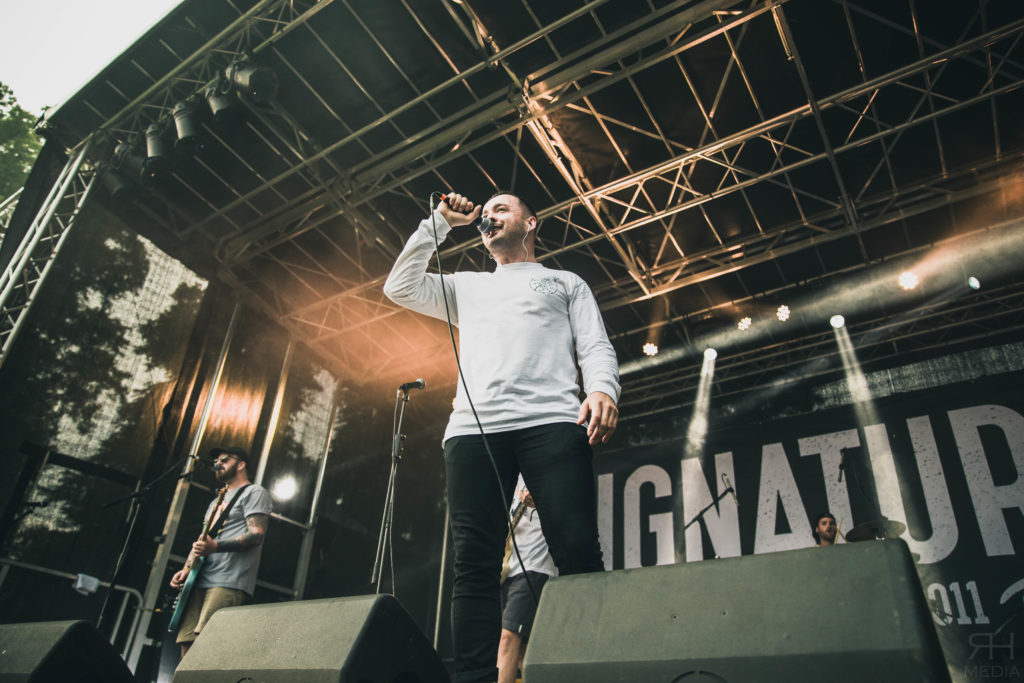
(544, 285)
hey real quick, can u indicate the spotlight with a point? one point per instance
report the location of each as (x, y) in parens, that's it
(908, 280)
(156, 164)
(783, 313)
(258, 82)
(127, 162)
(189, 140)
(284, 488)
(744, 323)
(710, 354)
(973, 282)
(837, 321)
(651, 349)
(223, 106)
(117, 186)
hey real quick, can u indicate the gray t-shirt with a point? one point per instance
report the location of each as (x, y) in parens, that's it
(236, 569)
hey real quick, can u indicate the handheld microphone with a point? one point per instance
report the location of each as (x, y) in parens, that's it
(730, 489)
(418, 384)
(482, 224)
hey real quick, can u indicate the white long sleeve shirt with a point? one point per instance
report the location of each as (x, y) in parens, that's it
(518, 330)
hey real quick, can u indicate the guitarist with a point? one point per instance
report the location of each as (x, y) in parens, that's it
(232, 550)
(518, 606)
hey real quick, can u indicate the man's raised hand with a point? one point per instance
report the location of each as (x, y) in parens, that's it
(458, 210)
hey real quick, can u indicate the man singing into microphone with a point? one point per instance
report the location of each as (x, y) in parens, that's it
(522, 330)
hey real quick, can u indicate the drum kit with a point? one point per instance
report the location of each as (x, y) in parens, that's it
(875, 530)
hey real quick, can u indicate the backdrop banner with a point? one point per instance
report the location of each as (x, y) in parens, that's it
(947, 462)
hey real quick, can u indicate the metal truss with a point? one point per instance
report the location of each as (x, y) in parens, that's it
(769, 369)
(628, 204)
(7, 211)
(254, 30)
(774, 163)
(31, 263)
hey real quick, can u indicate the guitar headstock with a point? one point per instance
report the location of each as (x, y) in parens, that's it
(220, 495)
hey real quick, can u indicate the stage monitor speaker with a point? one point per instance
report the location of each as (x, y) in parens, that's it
(65, 651)
(342, 640)
(850, 613)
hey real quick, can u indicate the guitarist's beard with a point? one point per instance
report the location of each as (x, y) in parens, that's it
(226, 473)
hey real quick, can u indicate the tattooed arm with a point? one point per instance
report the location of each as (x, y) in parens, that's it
(256, 530)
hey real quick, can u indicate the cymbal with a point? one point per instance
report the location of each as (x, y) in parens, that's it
(875, 529)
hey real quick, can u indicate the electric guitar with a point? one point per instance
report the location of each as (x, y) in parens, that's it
(193, 569)
(517, 515)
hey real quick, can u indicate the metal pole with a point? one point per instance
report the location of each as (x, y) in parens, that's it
(302, 570)
(46, 211)
(155, 582)
(6, 563)
(384, 540)
(275, 413)
(222, 358)
(23, 315)
(440, 575)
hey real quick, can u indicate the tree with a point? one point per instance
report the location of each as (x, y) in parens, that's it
(19, 145)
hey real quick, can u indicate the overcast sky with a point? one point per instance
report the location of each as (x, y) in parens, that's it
(51, 48)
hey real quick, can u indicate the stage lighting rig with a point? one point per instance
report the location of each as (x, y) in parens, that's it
(157, 164)
(189, 139)
(258, 82)
(222, 103)
(116, 184)
(908, 280)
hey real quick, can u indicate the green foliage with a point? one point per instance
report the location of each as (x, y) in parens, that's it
(19, 145)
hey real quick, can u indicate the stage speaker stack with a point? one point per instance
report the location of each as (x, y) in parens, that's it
(64, 651)
(849, 613)
(342, 640)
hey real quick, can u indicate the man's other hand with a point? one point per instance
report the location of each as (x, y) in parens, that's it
(603, 414)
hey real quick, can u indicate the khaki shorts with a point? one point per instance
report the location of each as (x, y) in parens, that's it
(202, 604)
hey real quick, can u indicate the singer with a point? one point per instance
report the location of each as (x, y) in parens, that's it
(522, 328)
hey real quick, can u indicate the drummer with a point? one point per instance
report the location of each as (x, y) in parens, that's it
(824, 530)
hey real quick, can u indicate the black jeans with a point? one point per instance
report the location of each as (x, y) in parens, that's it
(557, 466)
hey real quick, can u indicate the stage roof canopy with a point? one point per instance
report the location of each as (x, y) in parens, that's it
(697, 162)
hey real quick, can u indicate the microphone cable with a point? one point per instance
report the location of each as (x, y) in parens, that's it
(458, 364)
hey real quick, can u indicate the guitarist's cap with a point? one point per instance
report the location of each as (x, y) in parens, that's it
(236, 451)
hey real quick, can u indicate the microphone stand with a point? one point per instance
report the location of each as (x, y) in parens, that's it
(699, 517)
(876, 504)
(384, 539)
(135, 500)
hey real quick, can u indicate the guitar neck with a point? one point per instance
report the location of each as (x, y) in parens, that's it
(190, 563)
(517, 515)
